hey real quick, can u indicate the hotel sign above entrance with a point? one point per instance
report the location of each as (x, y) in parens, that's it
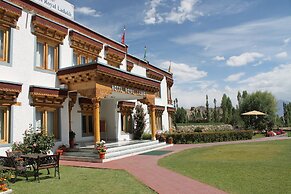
(126, 90)
(60, 7)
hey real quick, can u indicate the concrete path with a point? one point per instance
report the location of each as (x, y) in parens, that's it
(146, 169)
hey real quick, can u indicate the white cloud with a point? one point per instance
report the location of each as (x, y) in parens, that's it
(287, 40)
(183, 12)
(282, 55)
(87, 11)
(274, 81)
(264, 36)
(184, 73)
(151, 15)
(234, 77)
(218, 58)
(243, 59)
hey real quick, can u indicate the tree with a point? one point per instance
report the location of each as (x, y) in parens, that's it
(181, 115)
(287, 114)
(226, 107)
(260, 101)
(215, 118)
(139, 121)
(207, 109)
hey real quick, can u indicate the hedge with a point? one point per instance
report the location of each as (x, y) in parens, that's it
(208, 137)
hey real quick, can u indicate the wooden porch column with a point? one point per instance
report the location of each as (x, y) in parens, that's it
(96, 118)
(153, 121)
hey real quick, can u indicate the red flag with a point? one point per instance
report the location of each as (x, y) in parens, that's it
(123, 36)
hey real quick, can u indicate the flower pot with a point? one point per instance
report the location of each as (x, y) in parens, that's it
(60, 152)
(102, 155)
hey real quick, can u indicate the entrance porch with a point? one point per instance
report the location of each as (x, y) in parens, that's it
(100, 89)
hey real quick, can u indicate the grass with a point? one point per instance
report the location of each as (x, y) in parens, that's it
(242, 168)
(82, 180)
(258, 136)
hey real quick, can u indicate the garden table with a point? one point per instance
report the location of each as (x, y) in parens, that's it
(42, 161)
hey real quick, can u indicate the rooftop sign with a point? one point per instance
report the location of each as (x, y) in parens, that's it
(60, 7)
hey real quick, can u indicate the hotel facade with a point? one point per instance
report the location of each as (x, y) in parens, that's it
(60, 76)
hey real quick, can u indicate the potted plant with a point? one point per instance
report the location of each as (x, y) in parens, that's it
(101, 149)
(170, 140)
(62, 148)
(72, 136)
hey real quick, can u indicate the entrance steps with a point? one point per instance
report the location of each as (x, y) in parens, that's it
(116, 150)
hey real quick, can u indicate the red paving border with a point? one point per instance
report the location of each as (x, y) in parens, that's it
(145, 168)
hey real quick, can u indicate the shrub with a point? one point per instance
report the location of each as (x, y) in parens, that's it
(198, 129)
(208, 137)
(34, 141)
(139, 120)
(146, 136)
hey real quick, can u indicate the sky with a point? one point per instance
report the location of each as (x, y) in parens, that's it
(214, 46)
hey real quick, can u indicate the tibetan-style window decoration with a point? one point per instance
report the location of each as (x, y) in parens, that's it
(129, 66)
(49, 36)
(86, 105)
(9, 93)
(47, 97)
(49, 30)
(86, 50)
(9, 15)
(154, 75)
(159, 110)
(113, 56)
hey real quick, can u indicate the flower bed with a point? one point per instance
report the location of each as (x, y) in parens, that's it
(208, 137)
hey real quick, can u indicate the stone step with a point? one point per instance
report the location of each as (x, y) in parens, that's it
(126, 150)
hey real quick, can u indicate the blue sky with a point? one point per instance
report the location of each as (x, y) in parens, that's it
(215, 46)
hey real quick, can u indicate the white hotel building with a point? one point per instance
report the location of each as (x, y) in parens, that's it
(60, 75)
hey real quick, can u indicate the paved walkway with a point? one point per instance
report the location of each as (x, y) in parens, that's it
(146, 169)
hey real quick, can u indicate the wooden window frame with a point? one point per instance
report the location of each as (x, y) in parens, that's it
(6, 39)
(46, 43)
(159, 122)
(81, 54)
(6, 125)
(44, 111)
(126, 122)
(87, 133)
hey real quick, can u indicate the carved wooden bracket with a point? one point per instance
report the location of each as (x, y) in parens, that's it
(149, 99)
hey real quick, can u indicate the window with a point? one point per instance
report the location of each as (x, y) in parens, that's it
(4, 44)
(126, 122)
(4, 124)
(87, 124)
(159, 122)
(48, 120)
(79, 58)
(46, 55)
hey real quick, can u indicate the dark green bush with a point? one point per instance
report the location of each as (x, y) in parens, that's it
(208, 137)
(146, 136)
(34, 141)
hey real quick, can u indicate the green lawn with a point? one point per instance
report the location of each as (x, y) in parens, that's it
(242, 168)
(258, 136)
(82, 180)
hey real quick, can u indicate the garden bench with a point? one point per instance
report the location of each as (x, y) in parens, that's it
(13, 164)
